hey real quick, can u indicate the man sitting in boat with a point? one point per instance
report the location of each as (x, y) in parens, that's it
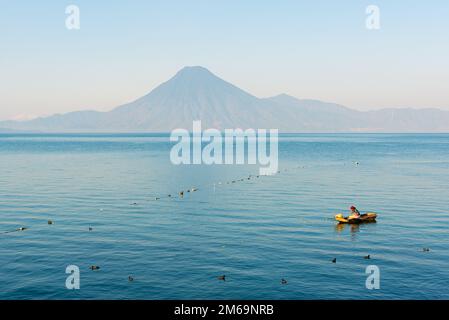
(355, 214)
(356, 217)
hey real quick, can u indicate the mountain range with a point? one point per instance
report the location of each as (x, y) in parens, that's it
(195, 93)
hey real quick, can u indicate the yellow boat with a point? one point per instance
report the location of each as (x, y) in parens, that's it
(367, 217)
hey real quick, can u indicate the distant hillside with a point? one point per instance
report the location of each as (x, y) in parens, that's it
(194, 93)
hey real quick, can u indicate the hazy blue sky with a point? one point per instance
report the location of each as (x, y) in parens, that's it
(309, 49)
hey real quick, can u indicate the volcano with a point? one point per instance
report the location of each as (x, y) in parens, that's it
(195, 93)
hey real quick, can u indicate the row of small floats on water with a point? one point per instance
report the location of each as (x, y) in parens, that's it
(340, 218)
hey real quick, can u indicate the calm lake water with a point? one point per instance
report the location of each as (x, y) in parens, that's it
(255, 231)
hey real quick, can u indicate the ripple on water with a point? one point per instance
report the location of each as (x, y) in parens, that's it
(255, 231)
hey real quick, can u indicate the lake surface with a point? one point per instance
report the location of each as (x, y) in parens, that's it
(255, 231)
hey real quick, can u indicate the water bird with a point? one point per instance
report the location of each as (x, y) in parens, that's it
(367, 257)
(194, 189)
(50, 222)
(94, 268)
(283, 281)
(426, 249)
(222, 278)
(169, 195)
(19, 229)
(130, 279)
(181, 194)
(334, 260)
(90, 229)
(157, 199)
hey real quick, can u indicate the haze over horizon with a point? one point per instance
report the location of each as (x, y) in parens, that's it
(320, 50)
(195, 93)
(189, 70)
